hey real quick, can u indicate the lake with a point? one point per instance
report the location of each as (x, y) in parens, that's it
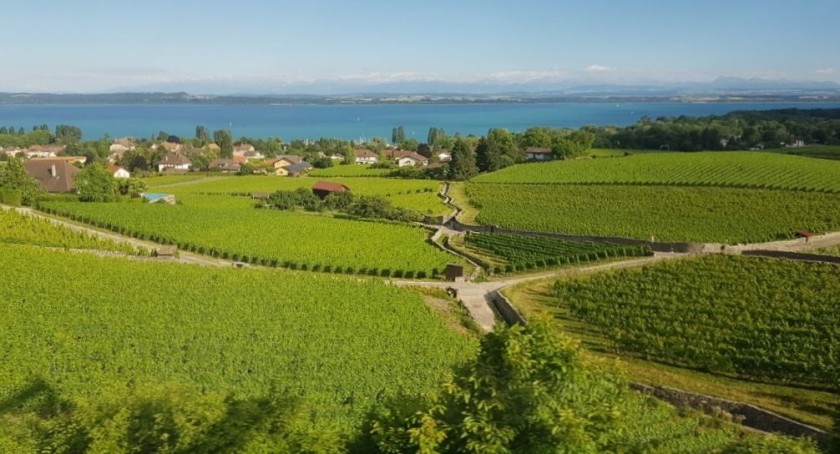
(354, 121)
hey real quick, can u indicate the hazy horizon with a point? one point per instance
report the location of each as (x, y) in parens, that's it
(260, 46)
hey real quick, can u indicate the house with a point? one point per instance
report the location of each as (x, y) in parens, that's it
(444, 156)
(170, 147)
(324, 188)
(412, 159)
(11, 152)
(281, 171)
(224, 165)
(242, 148)
(43, 151)
(538, 154)
(174, 161)
(253, 155)
(122, 145)
(291, 159)
(118, 172)
(365, 156)
(81, 160)
(337, 157)
(296, 170)
(54, 175)
(395, 154)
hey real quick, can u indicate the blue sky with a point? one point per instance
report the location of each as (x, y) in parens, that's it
(92, 45)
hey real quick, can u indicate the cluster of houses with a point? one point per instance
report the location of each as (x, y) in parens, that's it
(402, 158)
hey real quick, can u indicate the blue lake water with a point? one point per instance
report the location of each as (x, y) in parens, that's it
(353, 121)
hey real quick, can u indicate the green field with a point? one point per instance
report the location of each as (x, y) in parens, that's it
(812, 151)
(235, 229)
(756, 170)
(764, 319)
(348, 171)
(696, 214)
(323, 339)
(21, 229)
(420, 195)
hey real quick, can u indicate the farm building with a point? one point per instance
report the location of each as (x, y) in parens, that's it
(324, 188)
(153, 197)
(538, 154)
(54, 175)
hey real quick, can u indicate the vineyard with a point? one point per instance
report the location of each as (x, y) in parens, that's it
(694, 214)
(834, 251)
(348, 171)
(335, 343)
(526, 253)
(753, 170)
(20, 229)
(420, 195)
(231, 228)
(768, 320)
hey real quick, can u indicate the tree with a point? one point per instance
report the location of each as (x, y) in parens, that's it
(398, 134)
(572, 145)
(435, 137)
(224, 140)
(409, 144)
(201, 133)
(13, 176)
(96, 184)
(527, 391)
(463, 165)
(67, 134)
(132, 187)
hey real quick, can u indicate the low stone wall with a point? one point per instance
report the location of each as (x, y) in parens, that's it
(457, 225)
(793, 256)
(748, 415)
(505, 309)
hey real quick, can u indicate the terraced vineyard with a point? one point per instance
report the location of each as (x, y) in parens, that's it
(231, 227)
(20, 229)
(755, 170)
(768, 320)
(525, 253)
(334, 343)
(420, 195)
(665, 213)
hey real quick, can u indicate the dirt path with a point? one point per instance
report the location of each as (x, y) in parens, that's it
(184, 257)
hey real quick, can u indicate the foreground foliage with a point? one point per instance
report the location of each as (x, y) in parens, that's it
(664, 213)
(754, 170)
(769, 320)
(531, 392)
(99, 328)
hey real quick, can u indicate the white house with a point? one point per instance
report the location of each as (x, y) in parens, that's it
(119, 172)
(538, 154)
(412, 159)
(174, 161)
(365, 156)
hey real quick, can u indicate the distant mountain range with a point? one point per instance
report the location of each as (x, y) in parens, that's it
(336, 92)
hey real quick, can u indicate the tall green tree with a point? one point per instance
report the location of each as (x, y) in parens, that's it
(67, 134)
(572, 145)
(96, 184)
(398, 134)
(462, 166)
(224, 140)
(201, 133)
(13, 176)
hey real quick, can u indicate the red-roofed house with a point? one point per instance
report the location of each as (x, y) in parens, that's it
(54, 175)
(175, 162)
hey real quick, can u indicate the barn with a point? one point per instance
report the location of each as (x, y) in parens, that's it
(324, 188)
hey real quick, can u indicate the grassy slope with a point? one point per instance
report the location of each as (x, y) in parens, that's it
(318, 337)
(727, 169)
